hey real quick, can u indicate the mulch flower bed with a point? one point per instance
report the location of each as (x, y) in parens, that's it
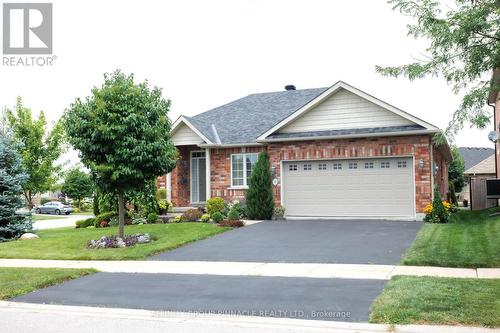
(106, 242)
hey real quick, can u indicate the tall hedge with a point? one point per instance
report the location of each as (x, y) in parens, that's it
(259, 196)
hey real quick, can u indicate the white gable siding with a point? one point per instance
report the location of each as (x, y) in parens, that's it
(345, 110)
(185, 136)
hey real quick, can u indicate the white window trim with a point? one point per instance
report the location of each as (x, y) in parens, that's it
(245, 185)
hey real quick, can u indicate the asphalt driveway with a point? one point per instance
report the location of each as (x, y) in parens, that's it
(303, 298)
(305, 241)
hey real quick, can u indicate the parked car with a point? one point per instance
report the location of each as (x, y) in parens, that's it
(54, 207)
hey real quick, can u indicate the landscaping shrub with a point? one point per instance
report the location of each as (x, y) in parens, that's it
(215, 205)
(234, 214)
(103, 217)
(439, 212)
(259, 196)
(113, 222)
(163, 206)
(232, 223)
(177, 219)
(205, 218)
(139, 220)
(85, 223)
(217, 217)
(279, 212)
(191, 215)
(239, 207)
(152, 218)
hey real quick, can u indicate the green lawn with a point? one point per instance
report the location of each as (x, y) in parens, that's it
(70, 243)
(18, 281)
(447, 301)
(46, 217)
(471, 239)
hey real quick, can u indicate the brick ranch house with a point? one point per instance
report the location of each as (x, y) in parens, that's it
(334, 152)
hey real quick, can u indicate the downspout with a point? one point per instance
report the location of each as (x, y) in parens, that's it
(431, 167)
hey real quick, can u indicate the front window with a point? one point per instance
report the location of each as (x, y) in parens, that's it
(241, 169)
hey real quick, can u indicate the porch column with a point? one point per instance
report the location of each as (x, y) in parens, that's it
(169, 186)
(207, 171)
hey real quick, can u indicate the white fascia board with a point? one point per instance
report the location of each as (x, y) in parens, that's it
(330, 91)
(181, 120)
(349, 136)
(230, 145)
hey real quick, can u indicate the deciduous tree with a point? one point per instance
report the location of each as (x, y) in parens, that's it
(464, 47)
(39, 149)
(122, 134)
(77, 185)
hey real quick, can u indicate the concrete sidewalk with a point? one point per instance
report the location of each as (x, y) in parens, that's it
(41, 318)
(346, 271)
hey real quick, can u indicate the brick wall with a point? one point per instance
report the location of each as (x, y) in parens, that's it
(180, 195)
(417, 146)
(441, 174)
(220, 170)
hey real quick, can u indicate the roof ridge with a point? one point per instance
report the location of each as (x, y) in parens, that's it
(255, 94)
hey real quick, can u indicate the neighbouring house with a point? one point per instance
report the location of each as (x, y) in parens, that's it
(479, 164)
(334, 152)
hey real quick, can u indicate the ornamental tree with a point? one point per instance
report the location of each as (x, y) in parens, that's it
(12, 177)
(122, 134)
(259, 196)
(464, 48)
(78, 185)
(38, 147)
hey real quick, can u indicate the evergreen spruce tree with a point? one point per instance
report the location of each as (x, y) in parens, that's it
(439, 213)
(12, 177)
(259, 196)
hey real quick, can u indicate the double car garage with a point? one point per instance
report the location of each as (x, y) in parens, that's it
(372, 187)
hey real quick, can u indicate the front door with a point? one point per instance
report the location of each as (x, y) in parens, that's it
(198, 177)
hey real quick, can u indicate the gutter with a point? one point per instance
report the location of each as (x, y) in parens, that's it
(230, 145)
(349, 136)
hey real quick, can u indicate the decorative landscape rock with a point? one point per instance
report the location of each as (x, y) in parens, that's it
(28, 236)
(116, 242)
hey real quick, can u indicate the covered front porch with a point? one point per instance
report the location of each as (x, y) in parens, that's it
(189, 182)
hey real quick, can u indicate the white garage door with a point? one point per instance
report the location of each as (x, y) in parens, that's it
(356, 187)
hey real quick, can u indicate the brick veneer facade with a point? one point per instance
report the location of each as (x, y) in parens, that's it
(220, 166)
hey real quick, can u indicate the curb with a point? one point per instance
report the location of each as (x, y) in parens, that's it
(235, 321)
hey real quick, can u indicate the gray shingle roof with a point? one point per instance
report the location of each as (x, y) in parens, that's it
(353, 131)
(474, 155)
(244, 120)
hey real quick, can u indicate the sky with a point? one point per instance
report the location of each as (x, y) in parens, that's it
(207, 53)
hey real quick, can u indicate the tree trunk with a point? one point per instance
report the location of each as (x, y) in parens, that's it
(79, 202)
(121, 215)
(28, 199)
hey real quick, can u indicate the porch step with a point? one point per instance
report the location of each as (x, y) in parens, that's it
(180, 210)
